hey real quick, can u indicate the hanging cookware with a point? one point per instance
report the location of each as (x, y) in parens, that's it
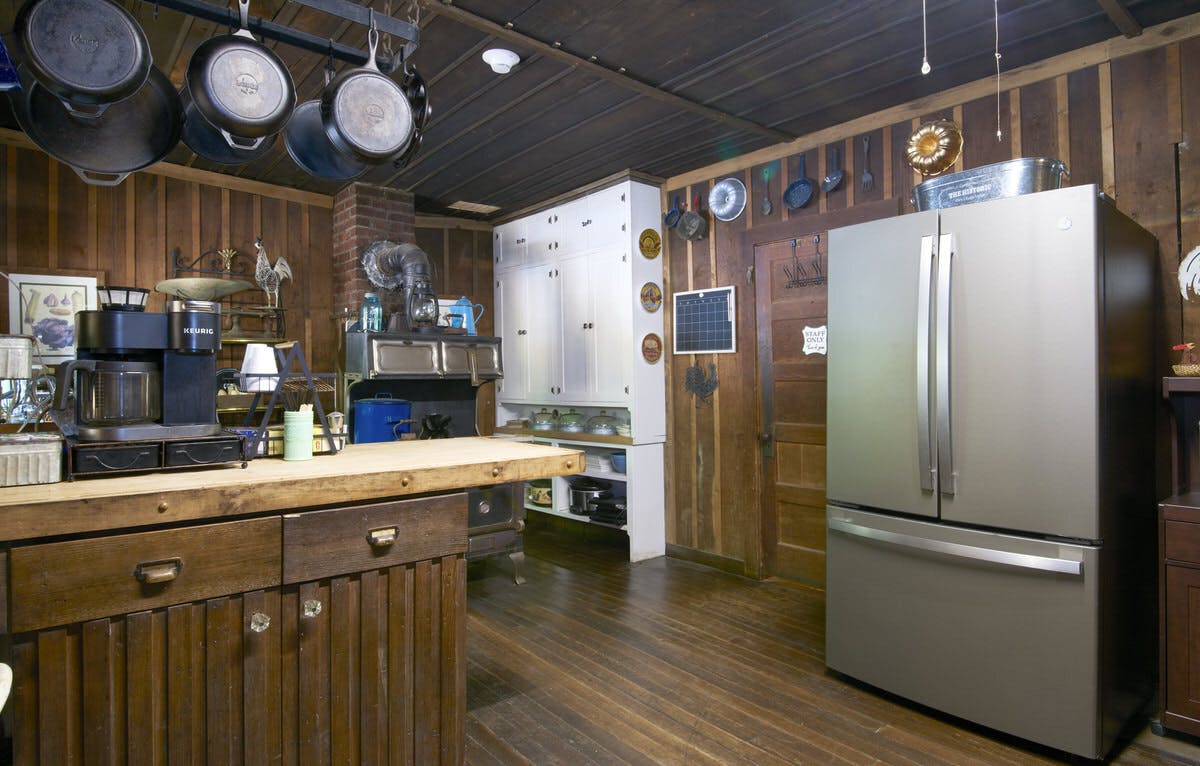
(132, 134)
(87, 53)
(727, 199)
(239, 86)
(203, 138)
(833, 179)
(309, 148)
(365, 113)
(798, 192)
(766, 207)
(672, 216)
(934, 147)
(418, 96)
(692, 225)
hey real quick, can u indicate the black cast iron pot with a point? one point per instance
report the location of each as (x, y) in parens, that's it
(87, 53)
(240, 87)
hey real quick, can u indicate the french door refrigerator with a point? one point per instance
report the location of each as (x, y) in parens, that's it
(990, 463)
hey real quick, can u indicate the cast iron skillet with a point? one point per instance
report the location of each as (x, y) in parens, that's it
(367, 115)
(240, 86)
(131, 134)
(87, 53)
(309, 148)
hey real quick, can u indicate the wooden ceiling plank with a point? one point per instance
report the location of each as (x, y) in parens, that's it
(592, 68)
(1121, 18)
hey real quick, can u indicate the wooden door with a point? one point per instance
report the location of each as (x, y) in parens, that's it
(790, 295)
(194, 683)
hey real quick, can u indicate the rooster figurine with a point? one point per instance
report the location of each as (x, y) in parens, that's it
(267, 276)
(694, 382)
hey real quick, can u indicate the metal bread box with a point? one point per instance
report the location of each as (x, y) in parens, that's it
(30, 459)
(1002, 179)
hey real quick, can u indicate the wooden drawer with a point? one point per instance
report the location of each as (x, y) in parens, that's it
(340, 541)
(66, 582)
(1181, 541)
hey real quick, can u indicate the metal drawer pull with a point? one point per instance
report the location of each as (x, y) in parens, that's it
(382, 537)
(1006, 558)
(151, 572)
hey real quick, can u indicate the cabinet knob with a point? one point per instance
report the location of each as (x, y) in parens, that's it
(259, 622)
(382, 537)
(312, 607)
(153, 572)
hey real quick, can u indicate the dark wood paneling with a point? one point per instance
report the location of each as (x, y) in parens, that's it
(1063, 108)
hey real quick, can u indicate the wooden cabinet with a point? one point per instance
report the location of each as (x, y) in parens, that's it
(339, 637)
(1179, 535)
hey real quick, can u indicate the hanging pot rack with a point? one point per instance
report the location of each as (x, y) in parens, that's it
(408, 33)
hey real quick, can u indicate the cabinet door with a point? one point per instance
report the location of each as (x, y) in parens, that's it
(577, 317)
(192, 683)
(1183, 646)
(574, 218)
(510, 244)
(512, 327)
(544, 236)
(543, 307)
(609, 330)
(608, 214)
(381, 671)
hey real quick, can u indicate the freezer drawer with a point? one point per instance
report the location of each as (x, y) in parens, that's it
(996, 629)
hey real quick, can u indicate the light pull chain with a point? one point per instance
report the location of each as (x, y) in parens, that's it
(924, 41)
(996, 17)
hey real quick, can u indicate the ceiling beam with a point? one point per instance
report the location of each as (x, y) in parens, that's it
(1120, 16)
(446, 9)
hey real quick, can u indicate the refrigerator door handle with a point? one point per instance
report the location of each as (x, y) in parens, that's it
(924, 308)
(958, 550)
(947, 479)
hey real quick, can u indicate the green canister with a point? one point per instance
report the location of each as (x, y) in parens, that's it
(298, 435)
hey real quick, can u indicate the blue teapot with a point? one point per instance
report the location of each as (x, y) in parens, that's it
(463, 313)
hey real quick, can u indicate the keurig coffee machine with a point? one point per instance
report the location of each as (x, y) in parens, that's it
(144, 378)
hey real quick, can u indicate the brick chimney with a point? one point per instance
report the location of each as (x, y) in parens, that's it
(362, 214)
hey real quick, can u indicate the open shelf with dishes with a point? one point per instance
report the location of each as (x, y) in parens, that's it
(640, 483)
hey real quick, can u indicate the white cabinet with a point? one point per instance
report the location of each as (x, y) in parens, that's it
(512, 327)
(509, 243)
(581, 275)
(595, 327)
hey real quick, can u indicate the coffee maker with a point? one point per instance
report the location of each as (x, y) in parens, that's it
(141, 375)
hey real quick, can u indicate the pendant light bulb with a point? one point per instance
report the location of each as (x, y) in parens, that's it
(925, 66)
(924, 41)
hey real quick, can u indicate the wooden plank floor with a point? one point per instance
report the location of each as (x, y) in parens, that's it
(599, 661)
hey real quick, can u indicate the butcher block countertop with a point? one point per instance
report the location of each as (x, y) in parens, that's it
(359, 473)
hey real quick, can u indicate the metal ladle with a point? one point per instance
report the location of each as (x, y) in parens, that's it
(834, 178)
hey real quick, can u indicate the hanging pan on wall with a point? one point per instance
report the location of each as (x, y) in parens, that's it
(727, 199)
(798, 192)
(366, 114)
(692, 224)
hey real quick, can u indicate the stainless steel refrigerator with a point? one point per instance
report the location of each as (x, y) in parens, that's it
(990, 466)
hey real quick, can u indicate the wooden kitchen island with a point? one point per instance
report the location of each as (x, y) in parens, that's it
(288, 612)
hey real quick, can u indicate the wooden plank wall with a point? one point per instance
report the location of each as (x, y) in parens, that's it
(1124, 115)
(54, 223)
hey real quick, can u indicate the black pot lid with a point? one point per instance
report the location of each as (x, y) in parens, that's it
(588, 484)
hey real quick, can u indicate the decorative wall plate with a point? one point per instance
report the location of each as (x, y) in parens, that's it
(652, 347)
(651, 297)
(650, 243)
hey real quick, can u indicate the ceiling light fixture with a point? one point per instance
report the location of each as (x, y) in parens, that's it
(500, 60)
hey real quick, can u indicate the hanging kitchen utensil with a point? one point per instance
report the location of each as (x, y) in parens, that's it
(309, 147)
(132, 134)
(203, 138)
(692, 225)
(366, 114)
(239, 86)
(672, 216)
(8, 71)
(868, 180)
(727, 199)
(798, 192)
(87, 53)
(765, 208)
(418, 95)
(833, 179)
(934, 147)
